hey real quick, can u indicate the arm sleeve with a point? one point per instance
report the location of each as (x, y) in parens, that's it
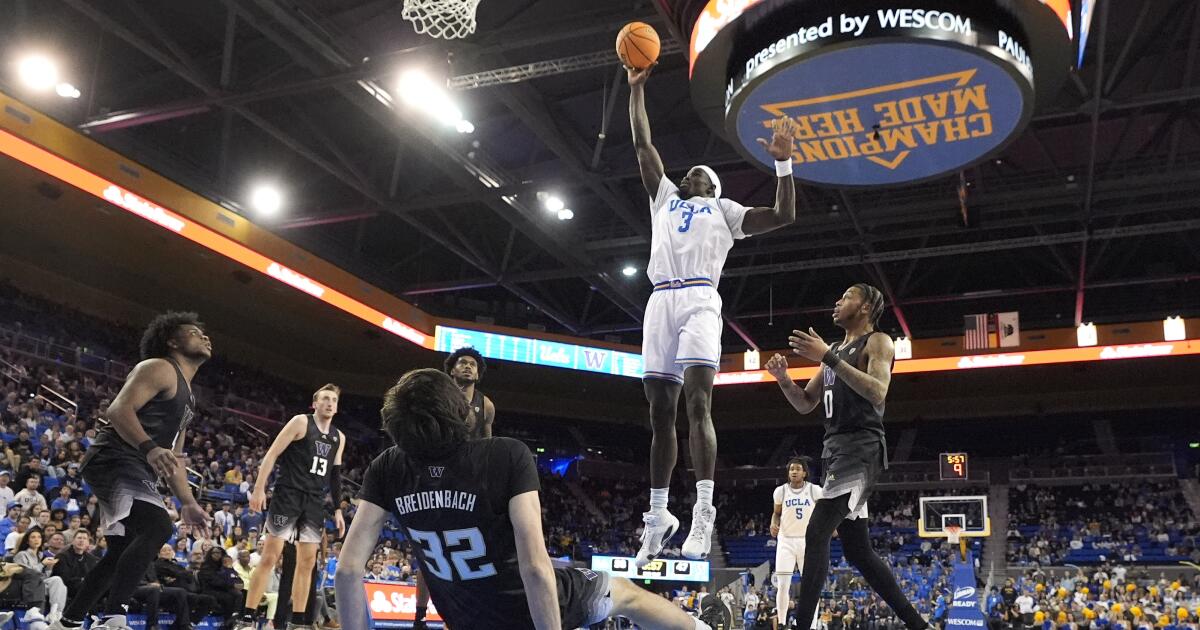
(335, 486)
(665, 190)
(735, 214)
(523, 475)
(374, 484)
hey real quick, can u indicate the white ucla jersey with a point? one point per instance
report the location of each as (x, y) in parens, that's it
(797, 507)
(690, 238)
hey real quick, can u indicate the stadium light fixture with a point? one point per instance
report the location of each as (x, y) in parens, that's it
(420, 92)
(566, 214)
(37, 72)
(66, 90)
(1174, 329)
(553, 203)
(629, 271)
(1085, 335)
(266, 200)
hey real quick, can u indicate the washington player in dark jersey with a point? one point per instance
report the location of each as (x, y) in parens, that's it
(472, 512)
(141, 444)
(852, 386)
(309, 453)
(466, 366)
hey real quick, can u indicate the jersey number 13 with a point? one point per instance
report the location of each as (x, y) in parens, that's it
(319, 466)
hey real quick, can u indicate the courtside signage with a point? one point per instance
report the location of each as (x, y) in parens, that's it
(539, 351)
(139, 206)
(392, 604)
(662, 569)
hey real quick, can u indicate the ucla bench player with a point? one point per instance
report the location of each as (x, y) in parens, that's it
(693, 228)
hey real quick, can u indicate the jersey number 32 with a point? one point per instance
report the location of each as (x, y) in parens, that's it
(463, 545)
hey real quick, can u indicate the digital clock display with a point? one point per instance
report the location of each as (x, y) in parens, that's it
(953, 466)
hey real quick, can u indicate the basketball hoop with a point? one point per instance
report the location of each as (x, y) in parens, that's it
(952, 533)
(443, 19)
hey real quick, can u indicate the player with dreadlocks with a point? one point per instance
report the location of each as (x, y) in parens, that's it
(852, 385)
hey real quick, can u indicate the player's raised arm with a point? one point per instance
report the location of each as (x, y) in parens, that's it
(352, 565)
(764, 219)
(648, 160)
(525, 512)
(803, 399)
(872, 384)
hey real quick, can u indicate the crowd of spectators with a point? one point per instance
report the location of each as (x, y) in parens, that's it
(50, 407)
(1128, 521)
(1108, 595)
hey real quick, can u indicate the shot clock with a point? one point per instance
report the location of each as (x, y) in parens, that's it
(954, 466)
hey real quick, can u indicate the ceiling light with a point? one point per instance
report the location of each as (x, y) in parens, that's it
(565, 214)
(66, 90)
(420, 92)
(629, 270)
(37, 72)
(266, 199)
(553, 204)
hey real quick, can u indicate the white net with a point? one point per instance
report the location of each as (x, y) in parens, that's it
(443, 19)
(952, 534)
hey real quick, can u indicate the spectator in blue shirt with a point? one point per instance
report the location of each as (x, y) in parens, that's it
(65, 502)
(9, 522)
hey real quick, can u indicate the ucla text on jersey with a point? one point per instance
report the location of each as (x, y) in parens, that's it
(689, 209)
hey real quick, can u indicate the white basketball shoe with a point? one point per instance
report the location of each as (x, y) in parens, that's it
(660, 526)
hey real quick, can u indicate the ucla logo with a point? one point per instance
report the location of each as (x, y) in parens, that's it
(689, 210)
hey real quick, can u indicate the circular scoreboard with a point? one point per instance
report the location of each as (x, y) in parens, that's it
(883, 92)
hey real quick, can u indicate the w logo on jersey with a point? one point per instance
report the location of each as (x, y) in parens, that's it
(323, 449)
(436, 471)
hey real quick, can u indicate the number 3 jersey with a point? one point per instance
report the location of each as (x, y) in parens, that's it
(306, 463)
(455, 512)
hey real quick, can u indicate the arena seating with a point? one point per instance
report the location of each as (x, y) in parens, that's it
(1136, 522)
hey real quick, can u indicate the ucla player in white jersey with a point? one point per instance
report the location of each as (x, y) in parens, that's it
(794, 502)
(693, 228)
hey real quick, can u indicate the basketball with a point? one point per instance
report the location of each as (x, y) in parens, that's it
(637, 45)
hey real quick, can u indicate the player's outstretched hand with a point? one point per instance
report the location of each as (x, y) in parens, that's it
(774, 527)
(340, 522)
(258, 499)
(194, 515)
(638, 77)
(808, 344)
(163, 461)
(783, 136)
(778, 367)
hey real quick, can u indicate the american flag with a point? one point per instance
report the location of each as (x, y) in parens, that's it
(975, 332)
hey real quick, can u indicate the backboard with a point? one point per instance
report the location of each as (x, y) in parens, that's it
(967, 512)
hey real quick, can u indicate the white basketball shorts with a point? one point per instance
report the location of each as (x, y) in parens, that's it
(682, 329)
(789, 555)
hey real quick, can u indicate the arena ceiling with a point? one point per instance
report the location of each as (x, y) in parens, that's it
(1090, 214)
